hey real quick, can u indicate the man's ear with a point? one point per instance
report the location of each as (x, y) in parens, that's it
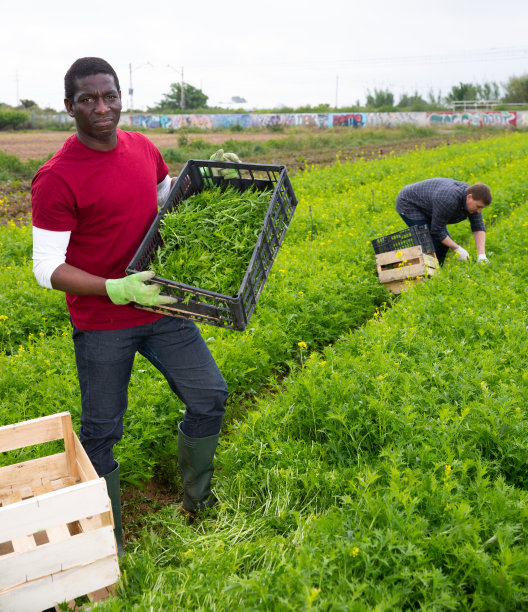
(69, 108)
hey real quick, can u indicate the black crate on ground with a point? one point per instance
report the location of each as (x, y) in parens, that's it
(201, 305)
(411, 236)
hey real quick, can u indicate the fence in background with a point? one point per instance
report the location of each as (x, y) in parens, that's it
(476, 118)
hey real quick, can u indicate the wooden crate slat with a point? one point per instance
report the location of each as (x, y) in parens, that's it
(398, 286)
(85, 468)
(51, 509)
(33, 472)
(13, 497)
(28, 433)
(45, 487)
(69, 444)
(403, 273)
(93, 522)
(64, 586)
(58, 533)
(23, 544)
(55, 557)
(384, 259)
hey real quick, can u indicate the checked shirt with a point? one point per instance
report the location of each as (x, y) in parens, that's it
(439, 202)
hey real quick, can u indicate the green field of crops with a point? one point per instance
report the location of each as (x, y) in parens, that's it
(375, 449)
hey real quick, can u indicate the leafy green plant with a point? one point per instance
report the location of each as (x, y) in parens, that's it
(207, 242)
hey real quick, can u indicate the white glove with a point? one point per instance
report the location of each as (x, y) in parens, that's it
(482, 258)
(461, 253)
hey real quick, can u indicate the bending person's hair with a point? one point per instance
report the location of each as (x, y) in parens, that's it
(480, 192)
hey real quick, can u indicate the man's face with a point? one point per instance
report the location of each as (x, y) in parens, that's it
(96, 108)
(474, 206)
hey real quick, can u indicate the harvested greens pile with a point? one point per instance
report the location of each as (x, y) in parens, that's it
(209, 239)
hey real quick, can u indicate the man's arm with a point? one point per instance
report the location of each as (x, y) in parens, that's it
(51, 271)
(480, 242)
(77, 282)
(449, 242)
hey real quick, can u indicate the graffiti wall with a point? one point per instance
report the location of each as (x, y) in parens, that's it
(327, 120)
(522, 119)
(474, 118)
(395, 119)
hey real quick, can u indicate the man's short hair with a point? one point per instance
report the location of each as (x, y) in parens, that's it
(83, 67)
(480, 192)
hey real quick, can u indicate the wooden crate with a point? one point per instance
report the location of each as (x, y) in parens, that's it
(399, 270)
(56, 526)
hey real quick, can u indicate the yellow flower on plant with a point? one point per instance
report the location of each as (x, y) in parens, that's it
(355, 551)
(302, 345)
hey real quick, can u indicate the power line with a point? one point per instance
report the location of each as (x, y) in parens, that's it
(463, 56)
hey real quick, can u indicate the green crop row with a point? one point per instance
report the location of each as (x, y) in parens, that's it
(322, 284)
(389, 473)
(389, 469)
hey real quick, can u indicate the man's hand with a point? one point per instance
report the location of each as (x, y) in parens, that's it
(461, 253)
(481, 258)
(133, 289)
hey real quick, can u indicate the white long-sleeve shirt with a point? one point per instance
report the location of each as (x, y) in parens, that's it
(49, 248)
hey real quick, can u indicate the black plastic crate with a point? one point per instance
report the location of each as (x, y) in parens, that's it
(232, 312)
(411, 236)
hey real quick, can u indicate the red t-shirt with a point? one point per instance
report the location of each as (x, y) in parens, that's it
(107, 200)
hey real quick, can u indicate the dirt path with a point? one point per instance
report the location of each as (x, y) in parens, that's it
(37, 145)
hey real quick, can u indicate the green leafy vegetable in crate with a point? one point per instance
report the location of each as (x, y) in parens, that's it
(208, 241)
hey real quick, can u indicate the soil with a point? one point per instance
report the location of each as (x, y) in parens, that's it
(139, 503)
(38, 145)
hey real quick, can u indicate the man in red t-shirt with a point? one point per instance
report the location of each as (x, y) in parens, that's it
(92, 204)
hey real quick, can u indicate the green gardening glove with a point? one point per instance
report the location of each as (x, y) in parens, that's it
(133, 289)
(227, 173)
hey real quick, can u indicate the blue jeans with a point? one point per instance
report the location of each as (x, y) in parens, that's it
(104, 365)
(440, 249)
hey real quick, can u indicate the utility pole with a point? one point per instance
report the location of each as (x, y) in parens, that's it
(130, 89)
(182, 102)
(182, 92)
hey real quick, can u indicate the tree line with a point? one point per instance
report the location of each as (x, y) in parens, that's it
(514, 91)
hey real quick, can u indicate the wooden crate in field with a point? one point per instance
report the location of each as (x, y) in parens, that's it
(56, 526)
(399, 270)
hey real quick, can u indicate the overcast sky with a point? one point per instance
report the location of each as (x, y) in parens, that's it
(270, 53)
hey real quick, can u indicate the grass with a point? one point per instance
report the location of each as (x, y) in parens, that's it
(297, 140)
(12, 168)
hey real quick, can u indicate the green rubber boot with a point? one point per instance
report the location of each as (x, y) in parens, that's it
(114, 493)
(195, 458)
